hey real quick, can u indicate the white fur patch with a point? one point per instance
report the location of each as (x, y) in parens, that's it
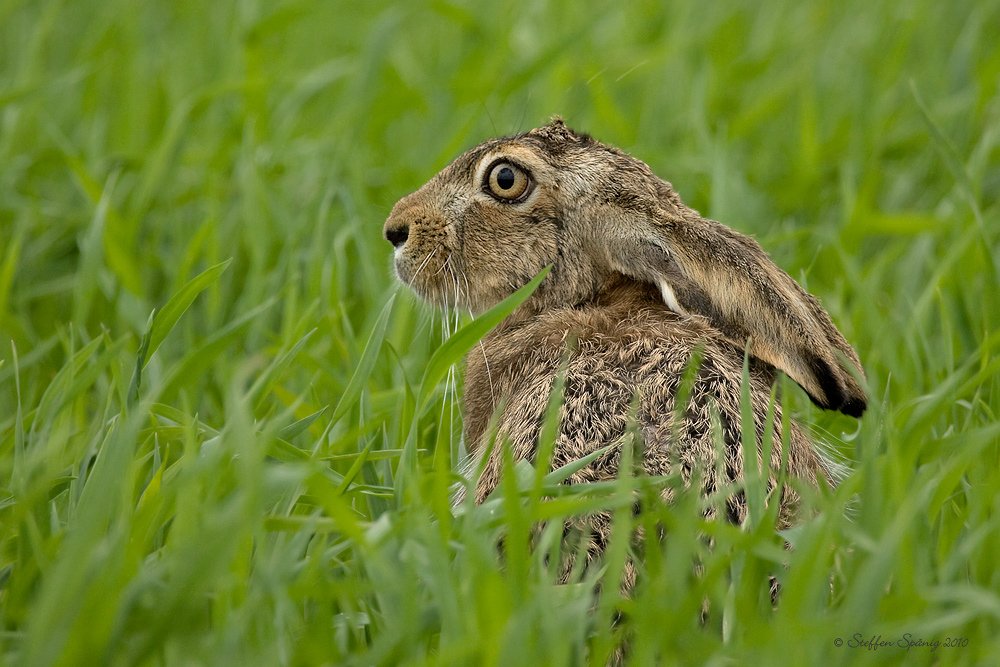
(670, 298)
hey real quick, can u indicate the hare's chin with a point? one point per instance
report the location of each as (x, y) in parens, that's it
(437, 295)
(442, 300)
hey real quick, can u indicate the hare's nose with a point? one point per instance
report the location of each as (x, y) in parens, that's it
(396, 232)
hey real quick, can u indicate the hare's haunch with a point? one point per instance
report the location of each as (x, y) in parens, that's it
(639, 282)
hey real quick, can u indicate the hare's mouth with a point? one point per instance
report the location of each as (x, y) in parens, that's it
(436, 277)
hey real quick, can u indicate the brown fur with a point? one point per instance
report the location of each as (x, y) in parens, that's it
(627, 344)
(639, 281)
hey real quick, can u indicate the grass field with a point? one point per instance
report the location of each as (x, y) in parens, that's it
(258, 475)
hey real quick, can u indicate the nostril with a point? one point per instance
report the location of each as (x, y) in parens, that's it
(397, 235)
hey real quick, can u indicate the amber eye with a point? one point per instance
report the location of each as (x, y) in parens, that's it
(507, 181)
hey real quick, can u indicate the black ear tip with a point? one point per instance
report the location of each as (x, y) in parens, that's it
(835, 395)
(852, 407)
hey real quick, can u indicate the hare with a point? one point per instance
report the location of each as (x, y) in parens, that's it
(639, 283)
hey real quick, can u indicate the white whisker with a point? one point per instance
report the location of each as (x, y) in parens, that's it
(489, 374)
(424, 263)
(458, 299)
(443, 266)
(468, 290)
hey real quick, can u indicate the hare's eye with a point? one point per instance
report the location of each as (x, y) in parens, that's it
(507, 181)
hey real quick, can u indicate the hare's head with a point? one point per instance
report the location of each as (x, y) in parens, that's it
(501, 212)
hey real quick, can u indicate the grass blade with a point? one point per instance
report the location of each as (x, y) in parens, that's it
(366, 364)
(167, 317)
(462, 341)
(299, 426)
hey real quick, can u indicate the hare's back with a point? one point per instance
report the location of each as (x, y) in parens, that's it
(628, 349)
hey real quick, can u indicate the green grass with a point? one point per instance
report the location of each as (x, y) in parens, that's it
(264, 479)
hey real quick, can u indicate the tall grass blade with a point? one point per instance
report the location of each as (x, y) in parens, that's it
(167, 317)
(462, 341)
(365, 365)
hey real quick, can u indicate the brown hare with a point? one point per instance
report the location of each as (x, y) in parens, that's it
(639, 282)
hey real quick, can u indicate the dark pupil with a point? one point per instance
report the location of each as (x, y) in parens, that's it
(505, 179)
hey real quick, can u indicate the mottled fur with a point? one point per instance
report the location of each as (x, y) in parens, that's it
(638, 282)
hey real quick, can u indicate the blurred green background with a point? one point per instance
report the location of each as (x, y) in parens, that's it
(217, 510)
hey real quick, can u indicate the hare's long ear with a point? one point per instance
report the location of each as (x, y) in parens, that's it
(704, 268)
